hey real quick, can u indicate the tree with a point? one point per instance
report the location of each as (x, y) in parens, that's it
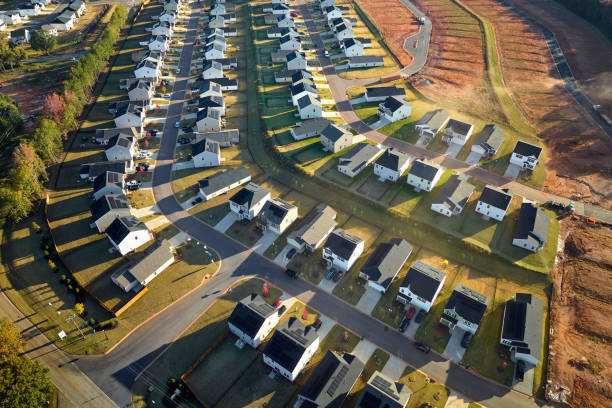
(10, 118)
(14, 205)
(69, 118)
(43, 41)
(47, 140)
(10, 339)
(24, 383)
(53, 105)
(79, 308)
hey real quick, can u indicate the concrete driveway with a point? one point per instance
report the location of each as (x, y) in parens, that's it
(453, 350)
(265, 241)
(226, 222)
(473, 158)
(281, 258)
(512, 171)
(379, 123)
(394, 368)
(327, 285)
(525, 386)
(369, 300)
(453, 150)
(364, 350)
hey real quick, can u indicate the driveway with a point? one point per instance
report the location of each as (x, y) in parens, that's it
(327, 285)
(453, 351)
(525, 386)
(512, 171)
(417, 45)
(265, 241)
(364, 350)
(394, 368)
(226, 222)
(453, 150)
(281, 258)
(369, 300)
(473, 158)
(379, 123)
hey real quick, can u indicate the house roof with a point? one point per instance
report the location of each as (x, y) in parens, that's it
(205, 145)
(289, 342)
(275, 210)
(467, 304)
(532, 224)
(342, 27)
(285, 73)
(307, 100)
(95, 169)
(527, 149)
(362, 59)
(121, 140)
(293, 55)
(394, 103)
(332, 379)
(224, 81)
(128, 108)
(209, 85)
(63, 19)
(434, 119)
(250, 314)
(147, 63)
(108, 203)
(309, 126)
(424, 170)
(106, 134)
(523, 324)
(19, 33)
(491, 136)
(359, 156)
(393, 159)
(212, 64)
(213, 46)
(121, 227)
(249, 195)
(315, 226)
(222, 179)
(108, 178)
(334, 132)
(386, 261)
(496, 197)
(207, 113)
(423, 280)
(342, 243)
(382, 392)
(211, 101)
(286, 38)
(302, 87)
(379, 91)
(459, 127)
(155, 256)
(455, 190)
(140, 84)
(225, 137)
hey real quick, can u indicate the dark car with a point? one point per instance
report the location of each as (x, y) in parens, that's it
(410, 313)
(465, 341)
(184, 140)
(197, 200)
(420, 346)
(335, 46)
(291, 253)
(520, 370)
(293, 274)
(294, 14)
(337, 276)
(158, 95)
(419, 317)
(404, 325)
(282, 310)
(187, 129)
(317, 324)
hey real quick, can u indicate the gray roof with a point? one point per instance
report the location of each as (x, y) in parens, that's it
(491, 137)
(307, 100)
(532, 224)
(302, 87)
(108, 203)
(289, 342)
(393, 103)
(459, 127)
(107, 134)
(383, 392)
(310, 125)
(120, 140)
(205, 145)
(527, 149)
(434, 119)
(467, 304)
(119, 229)
(334, 132)
(359, 156)
(361, 59)
(250, 314)
(140, 84)
(386, 261)
(342, 243)
(155, 257)
(287, 37)
(455, 190)
(523, 324)
(424, 170)
(423, 280)
(332, 380)
(379, 91)
(225, 137)
(393, 159)
(293, 55)
(316, 225)
(211, 101)
(249, 195)
(207, 113)
(95, 169)
(275, 210)
(108, 178)
(496, 197)
(286, 73)
(212, 64)
(222, 179)
(210, 85)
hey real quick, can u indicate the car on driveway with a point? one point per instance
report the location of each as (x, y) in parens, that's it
(410, 313)
(291, 253)
(277, 303)
(184, 140)
(423, 347)
(404, 325)
(144, 166)
(177, 125)
(317, 324)
(282, 310)
(419, 317)
(293, 274)
(466, 339)
(294, 14)
(143, 154)
(197, 200)
(132, 185)
(520, 370)
(187, 129)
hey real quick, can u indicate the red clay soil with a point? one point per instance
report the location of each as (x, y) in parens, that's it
(580, 358)
(394, 22)
(578, 164)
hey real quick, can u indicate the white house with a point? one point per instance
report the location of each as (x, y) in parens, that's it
(290, 43)
(332, 12)
(380, 93)
(169, 16)
(358, 158)
(90, 171)
(206, 153)
(108, 207)
(78, 7)
(531, 229)
(127, 234)
(315, 228)
(525, 155)
(421, 286)
(216, 22)
(280, 9)
(432, 123)
(464, 309)
(212, 70)
(326, 3)
(218, 40)
(212, 102)
(120, 147)
(391, 165)
(157, 258)
(453, 196)
(213, 51)
(308, 128)
(208, 120)
(147, 69)
(457, 132)
(20, 36)
(11, 18)
(210, 88)
(3, 25)
(522, 328)
(162, 28)
(300, 90)
(494, 202)
(365, 61)
(344, 32)
(489, 141)
(159, 43)
(48, 28)
(335, 138)
(248, 202)
(277, 215)
(284, 21)
(63, 23)
(394, 108)
(29, 10)
(382, 267)
(141, 91)
(309, 107)
(218, 9)
(108, 182)
(252, 320)
(423, 175)
(129, 116)
(342, 249)
(222, 182)
(290, 349)
(352, 47)
(296, 60)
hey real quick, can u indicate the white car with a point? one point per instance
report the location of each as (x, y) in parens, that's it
(144, 154)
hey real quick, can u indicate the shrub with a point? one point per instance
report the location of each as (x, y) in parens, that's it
(35, 225)
(68, 280)
(70, 288)
(79, 308)
(63, 278)
(52, 265)
(46, 253)
(92, 322)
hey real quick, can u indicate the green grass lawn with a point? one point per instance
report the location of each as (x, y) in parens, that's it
(375, 363)
(245, 232)
(141, 198)
(367, 112)
(212, 211)
(311, 266)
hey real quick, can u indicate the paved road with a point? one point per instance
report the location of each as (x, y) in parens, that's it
(60, 57)
(419, 53)
(571, 85)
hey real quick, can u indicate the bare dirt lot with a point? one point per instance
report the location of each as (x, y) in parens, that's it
(395, 23)
(581, 324)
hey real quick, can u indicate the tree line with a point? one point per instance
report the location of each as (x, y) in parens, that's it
(594, 11)
(23, 184)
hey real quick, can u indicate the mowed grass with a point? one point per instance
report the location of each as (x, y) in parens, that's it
(376, 362)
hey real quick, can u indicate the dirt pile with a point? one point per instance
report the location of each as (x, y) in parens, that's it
(580, 358)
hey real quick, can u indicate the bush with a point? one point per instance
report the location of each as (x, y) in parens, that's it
(52, 265)
(35, 226)
(92, 322)
(46, 253)
(63, 278)
(69, 288)
(68, 280)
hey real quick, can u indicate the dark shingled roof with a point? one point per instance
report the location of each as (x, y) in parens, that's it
(307, 100)
(424, 170)
(496, 197)
(249, 195)
(331, 381)
(393, 159)
(361, 59)
(289, 342)
(459, 127)
(523, 324)
(108, 178)
(154, 258)
(467, 304)
(250, 313)
(108, 203)
(302, 87)
(383, 392)
(222, 179)
(207, 113)
(393, 103)
(95, 169)
(122, 226)
(205, 145)
(532, 224)
(386, 261)
(275, 210)
(378, 91)
(434, 119)
(333, 132)
(455, 190)
(423, 280)
(527, 149)
(342, 243)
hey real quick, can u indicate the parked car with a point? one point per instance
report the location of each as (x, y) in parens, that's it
(177, 125)
(294, 14)
(335, 46)
(144, 166)
(143, 154)
(282, 310)
(337, 276)
(293, 274)
(326, 53)
(197, 200)
(187, 129)
(411, 312)
(133, 185)
(291, 253)
(317, 324)
(465, 340)
(157, 95)
(404, 325)
(419, 317)
(276, 303)
(423, 347)
(184, 140)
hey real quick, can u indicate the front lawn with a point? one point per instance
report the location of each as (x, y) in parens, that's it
(245, 232)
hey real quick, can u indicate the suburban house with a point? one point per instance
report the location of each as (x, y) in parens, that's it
(78, 7)
(156, 258)
(29, 10)
(20, 36)
(218, 9)
(432, 123)
(280, 56)
(494, 202)
(300, 90)
(222, 182)
(380, 93)
(163, 28)
(309, 106)
(225, 138)
(383, 392)
(525, 155)
(210, 88)
(331, 381)
(284, 21)
(280, 9)
(342, 249)
(252, 320)
(301, 75)
(225, 83)
(531, 229)
(172, 6)
(382, 267)
(130, 115)
(3, 25)
(296, 60)
(352, 47)
(169, 16)
(208, 120)
(277, 215)
(344, 32)
(394, 108)
(291, 347)
(248, 202)
(108, 207)
(522, 328)
(109, 182)
(332, 12)
(309, 128)
(212, 102)
(284, 75)
(206, 153)
(63, 23)
(288, 42)
(335, 138)
(421, 286)
(159, 43)
(218, 40)
(212, 70)
(11, 18)
(358, 158)
(147, 69)
(278, 32)
(316, 227)
(423, 175)
(213, 51)
(141, 91)
(120, 147)
(128, 233)
(488, 141)
(90, 171)
(326, 3)
(365, 61)
(216, 22)
(453, 196)
(457, 132)
(104, 135)
(48, 28)
(464, 309)
(391, 165)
